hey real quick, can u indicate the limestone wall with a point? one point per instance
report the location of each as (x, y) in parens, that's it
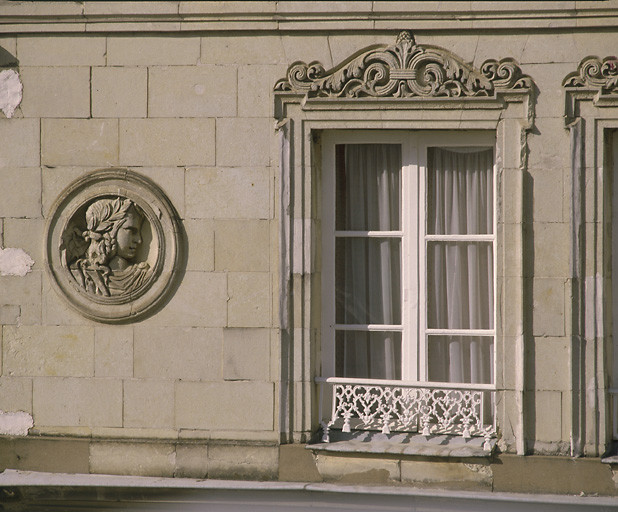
(188, 102)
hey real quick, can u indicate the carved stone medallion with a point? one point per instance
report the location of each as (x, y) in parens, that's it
(112, 245)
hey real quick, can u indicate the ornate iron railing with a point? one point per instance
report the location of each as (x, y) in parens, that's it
(465, 410)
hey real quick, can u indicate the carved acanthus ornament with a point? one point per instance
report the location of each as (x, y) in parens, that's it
(592, 73)
(403, 70)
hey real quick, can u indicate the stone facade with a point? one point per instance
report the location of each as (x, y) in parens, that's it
(207, 104)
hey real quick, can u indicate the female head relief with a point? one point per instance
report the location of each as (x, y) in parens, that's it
(113, 235)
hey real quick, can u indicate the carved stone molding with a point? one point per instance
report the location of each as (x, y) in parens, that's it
(404, 70)
(592, 73)
(112, 245)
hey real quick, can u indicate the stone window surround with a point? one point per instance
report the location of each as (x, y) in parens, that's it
(591, 115)
(303, 112)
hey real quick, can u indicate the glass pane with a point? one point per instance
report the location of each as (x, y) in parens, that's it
(368, 355)
(461, 359)
(460, 192)
(368, 187)
(460, 285)
(368, 280)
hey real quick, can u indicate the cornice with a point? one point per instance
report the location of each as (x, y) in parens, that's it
(171, 16)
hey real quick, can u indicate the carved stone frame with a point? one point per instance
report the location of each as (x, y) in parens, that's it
(591, 113)
(157, 210)
(401, 87)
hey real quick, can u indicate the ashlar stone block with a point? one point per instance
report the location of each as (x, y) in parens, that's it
(21, 143)
(551, 359)
(242, 245)
(56, 92)
(69, 142)
(225, 405)
(241, 49)
(113, 351)
(73, 402)
(164, 142)
(249, 299)
(204, 91)
(548, 414)
(119, 91)
(255, 89)
(358, 469)
(552, 243)
(26, 234)
(187, 353)
(201, 239)
(244, 141)
(61, 50)
(48, 351)
(24, 292)
(191, 460)
(201, 300)
(243, 462)
(152, 51)
(548, 307)
(141, 459)
(228, 193)
(148, 403)
(15, 394)
(453, 472)
(246, 354)
(20, 193)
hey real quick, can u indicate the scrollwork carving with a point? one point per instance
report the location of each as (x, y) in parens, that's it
(592, 73)
(403, 70)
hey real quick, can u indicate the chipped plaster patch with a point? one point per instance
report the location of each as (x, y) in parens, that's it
(14, 262)
(10, 91)
(15, 423)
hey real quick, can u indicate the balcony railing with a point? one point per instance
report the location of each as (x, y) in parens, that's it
(465, 410)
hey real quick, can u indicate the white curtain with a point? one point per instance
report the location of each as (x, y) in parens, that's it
(368, 272)
(460, 274)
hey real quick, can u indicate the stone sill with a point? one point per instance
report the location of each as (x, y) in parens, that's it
(174, 16)
(404, 443)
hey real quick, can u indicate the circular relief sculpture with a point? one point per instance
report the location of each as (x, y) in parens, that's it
(112, 245)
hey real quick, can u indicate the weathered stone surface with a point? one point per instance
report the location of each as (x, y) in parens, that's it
(551, 357)
(9, 314)
(241, 49)
(53, 455)
(246, 354)
(242, 245)
(243, 462)
(152, 50)
(56, 92)
(201, 240)
(548, 415)
(77, 402)
(119, 92)
(21, 143)
(165, 142)
(228, 193)
(148, 403)
(201, 301)
(205, 91)
(113, 351)
(216, 405)
(20, 194)
(26, 234)
(187, 353)
(143, 459)
(48, 351)
(71, 50)
(15, 394)
(297, 464)
(548, 307)
(191, 460)
(255, 89)
(552, 243)
(467, 475)
(358, 470)
(24, 292)
(243, 142)
(79, 142)
(249, 302)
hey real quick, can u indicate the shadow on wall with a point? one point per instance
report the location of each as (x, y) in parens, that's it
(7, 59)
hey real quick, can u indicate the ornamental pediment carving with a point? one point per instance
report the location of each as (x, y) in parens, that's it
(594, 73)
(404, 70)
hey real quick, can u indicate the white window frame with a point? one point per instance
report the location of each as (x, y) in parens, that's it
(415, 146)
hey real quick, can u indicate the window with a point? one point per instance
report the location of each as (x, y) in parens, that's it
(408, 241)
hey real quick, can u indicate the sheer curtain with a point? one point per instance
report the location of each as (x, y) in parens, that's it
(368, 268)
(460, 273)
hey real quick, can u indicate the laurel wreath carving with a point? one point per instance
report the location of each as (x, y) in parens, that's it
(403, 70)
